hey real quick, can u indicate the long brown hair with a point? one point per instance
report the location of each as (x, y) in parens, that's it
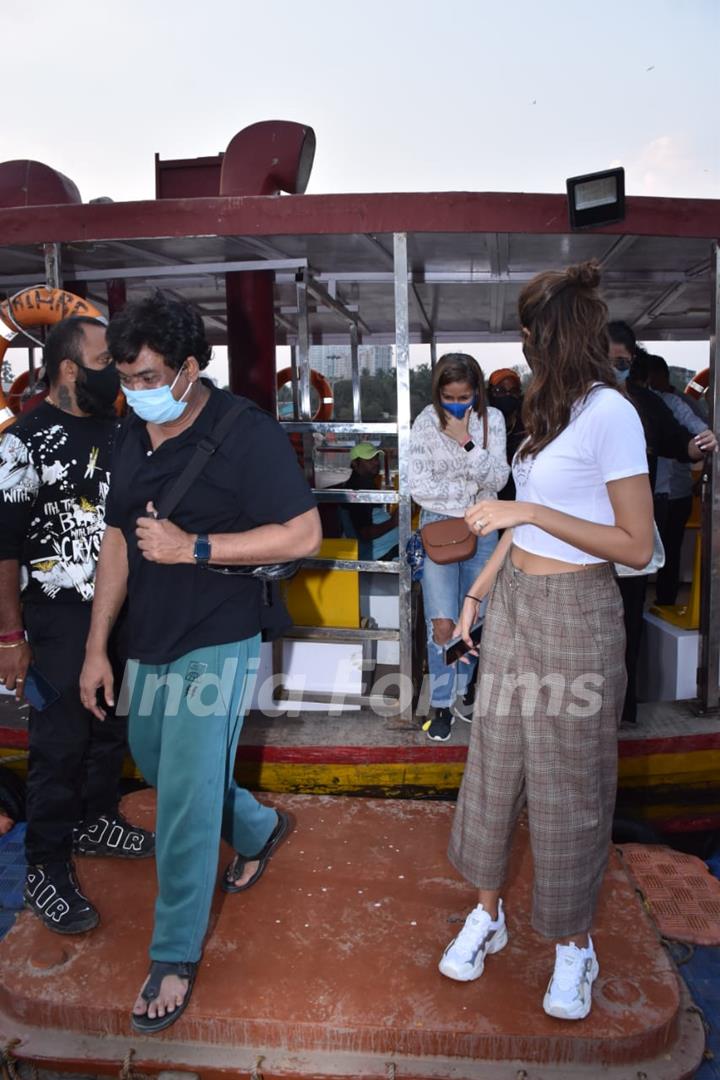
(457, 367)
(565, 341)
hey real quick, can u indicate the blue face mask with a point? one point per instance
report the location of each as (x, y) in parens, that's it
(458, 409)
(157, 406)
(621, 375)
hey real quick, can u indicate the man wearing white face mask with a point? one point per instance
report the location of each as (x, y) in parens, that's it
(194, 635)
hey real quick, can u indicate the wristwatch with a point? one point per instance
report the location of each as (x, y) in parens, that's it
(469, 445)
(202, 549)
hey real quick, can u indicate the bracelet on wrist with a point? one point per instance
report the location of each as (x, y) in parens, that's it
(13, 635)
(12, 644)
(469, 596)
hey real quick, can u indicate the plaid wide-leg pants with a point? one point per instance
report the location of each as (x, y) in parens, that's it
(548, 703)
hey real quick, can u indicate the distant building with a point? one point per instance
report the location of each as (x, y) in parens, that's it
(333, 361)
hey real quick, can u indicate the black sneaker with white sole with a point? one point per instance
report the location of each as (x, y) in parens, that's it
(52, 892)
(439, 726)
(113, 835)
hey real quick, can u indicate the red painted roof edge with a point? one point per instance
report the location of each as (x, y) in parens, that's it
(417, 212)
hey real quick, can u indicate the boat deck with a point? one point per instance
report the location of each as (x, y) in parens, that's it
(328, 968)
(669, 764)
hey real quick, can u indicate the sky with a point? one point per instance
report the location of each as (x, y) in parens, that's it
(404, 95)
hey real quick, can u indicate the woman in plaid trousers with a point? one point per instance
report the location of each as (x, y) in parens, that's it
(552, 674)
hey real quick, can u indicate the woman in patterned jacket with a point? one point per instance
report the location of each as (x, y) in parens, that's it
(457, 458)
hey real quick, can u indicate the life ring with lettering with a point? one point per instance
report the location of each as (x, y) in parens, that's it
(36, 306)
(698, 386)
(322, 388)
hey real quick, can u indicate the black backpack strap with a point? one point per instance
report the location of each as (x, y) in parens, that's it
(203, 452)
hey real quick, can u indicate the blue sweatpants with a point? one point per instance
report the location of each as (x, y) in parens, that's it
(184, 722)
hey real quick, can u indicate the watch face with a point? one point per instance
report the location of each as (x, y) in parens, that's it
(202, 549)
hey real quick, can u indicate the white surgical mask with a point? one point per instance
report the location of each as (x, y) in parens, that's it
(157, 405)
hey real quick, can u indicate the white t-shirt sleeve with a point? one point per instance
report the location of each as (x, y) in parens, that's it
(615, 436)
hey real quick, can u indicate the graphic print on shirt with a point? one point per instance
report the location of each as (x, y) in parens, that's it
(521, 469)
(68, 518)
(18, 479)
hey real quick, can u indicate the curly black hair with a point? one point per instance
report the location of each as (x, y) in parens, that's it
(622, 334)
(172, 328)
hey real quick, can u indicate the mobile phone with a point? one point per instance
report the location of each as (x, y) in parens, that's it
(37, 691)
(457, 647)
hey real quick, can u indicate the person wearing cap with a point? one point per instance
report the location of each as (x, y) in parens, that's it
(375, 529)
(505, 394)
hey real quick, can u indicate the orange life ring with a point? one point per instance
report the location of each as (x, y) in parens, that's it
(15, 394)
(697, 387)
(36, 306)
(321, 386)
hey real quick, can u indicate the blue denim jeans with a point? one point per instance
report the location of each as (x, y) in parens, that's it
(444, 589)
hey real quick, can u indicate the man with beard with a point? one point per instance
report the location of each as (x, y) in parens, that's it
(54, 464)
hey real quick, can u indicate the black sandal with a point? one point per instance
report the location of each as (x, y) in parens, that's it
(148, 1025)
(235, 869)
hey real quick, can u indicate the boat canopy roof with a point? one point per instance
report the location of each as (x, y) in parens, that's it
(469, 255)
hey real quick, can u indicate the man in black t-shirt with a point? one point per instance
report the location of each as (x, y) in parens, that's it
(193, 625)
(54, 474)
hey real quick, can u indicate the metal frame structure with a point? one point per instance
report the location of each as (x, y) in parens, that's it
(708, 689)
(400, 268)
(306, 427)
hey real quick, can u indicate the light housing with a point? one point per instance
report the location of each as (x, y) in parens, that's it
(596, 198)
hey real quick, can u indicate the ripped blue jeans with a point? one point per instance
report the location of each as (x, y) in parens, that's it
(444, 588)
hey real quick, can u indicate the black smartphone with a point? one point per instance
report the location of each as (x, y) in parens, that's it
(457, 647)
(37, 691)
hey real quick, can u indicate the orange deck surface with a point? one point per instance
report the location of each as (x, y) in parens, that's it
(328, 967)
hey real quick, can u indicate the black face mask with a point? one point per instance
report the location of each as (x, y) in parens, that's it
(96, 392)
(506, 403)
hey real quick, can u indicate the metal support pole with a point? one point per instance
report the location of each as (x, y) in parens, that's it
(402, 360)
(355, 372)
(709, 670)
(294, 383)
(53, 266)
(303, 348)
(433, 354)
(303, 364)
(251, 336)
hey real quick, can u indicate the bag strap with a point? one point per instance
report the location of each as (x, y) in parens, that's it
(485, 430)
(203, 452)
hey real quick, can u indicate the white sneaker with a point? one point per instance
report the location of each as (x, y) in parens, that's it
(464, 958)
(569, 992)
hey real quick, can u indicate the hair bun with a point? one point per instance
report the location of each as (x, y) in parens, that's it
(586, 275)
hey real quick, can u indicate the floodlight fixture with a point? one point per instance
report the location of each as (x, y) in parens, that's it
(596, 198)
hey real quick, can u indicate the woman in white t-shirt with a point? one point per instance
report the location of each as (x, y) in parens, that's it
(552, 675)
(457, 457)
